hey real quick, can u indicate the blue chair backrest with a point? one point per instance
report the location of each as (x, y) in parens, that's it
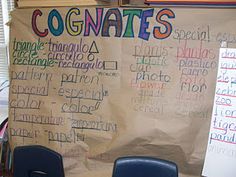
(37, 161)
(144, 167)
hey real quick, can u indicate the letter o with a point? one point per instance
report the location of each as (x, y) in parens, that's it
(60, 28)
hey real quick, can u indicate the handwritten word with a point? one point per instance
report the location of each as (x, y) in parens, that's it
(61, 137)
(26, 49)
(190, 96)
(104, 157)
(204, 113)
(81, 106)
(223, 126)
(24, 133)
(84, 66)
(27, 53)
(200, 34)
(192, 79)
(189, 87)
(148, 104)
(98, 125)
(194, 71)
(77, 78)
(228, 65)
(31, 73)
(139, 68)
(153, 76)
(146, 84)
(74, 152)
(228, 54)
(80, 47)
(186, 108)
(196, 67)
(224, 36)
(26, 103)
(199, 114)
(222, 101)
(145, 100)
(34, 62)
(145, 49)
(194, 52)
(151, 60)
(231, 153)
(75, 25)
(38, 119)
(32, 90)
(230, 139)
(224, 78)
(225, 112)
(147, 58)
(83, 93)
(108, 74)
(226, 91)
(71, 51)
(149, 108)
(151, 93)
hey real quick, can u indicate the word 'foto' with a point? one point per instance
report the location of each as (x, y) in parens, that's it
(77, 23)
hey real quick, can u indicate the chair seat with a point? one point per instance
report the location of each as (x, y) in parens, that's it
(136, 166)
(37, 161)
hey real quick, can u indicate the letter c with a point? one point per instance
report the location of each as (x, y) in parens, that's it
(37, 13)
(64, 107)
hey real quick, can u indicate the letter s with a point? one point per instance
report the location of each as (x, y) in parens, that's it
(157, 30)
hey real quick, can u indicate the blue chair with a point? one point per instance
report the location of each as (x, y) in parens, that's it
(137, 166)
(37, 161)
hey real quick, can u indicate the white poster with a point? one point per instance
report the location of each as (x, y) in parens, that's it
(221, 151)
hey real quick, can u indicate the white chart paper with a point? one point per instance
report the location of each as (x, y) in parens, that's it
(220, 160)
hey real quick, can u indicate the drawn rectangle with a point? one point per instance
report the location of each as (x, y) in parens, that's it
(110, 65)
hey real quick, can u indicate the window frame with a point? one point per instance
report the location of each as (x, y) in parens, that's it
(6, 6)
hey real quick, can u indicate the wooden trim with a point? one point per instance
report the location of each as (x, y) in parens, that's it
(57, 3)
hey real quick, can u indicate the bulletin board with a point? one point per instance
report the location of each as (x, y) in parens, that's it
(95, 84)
